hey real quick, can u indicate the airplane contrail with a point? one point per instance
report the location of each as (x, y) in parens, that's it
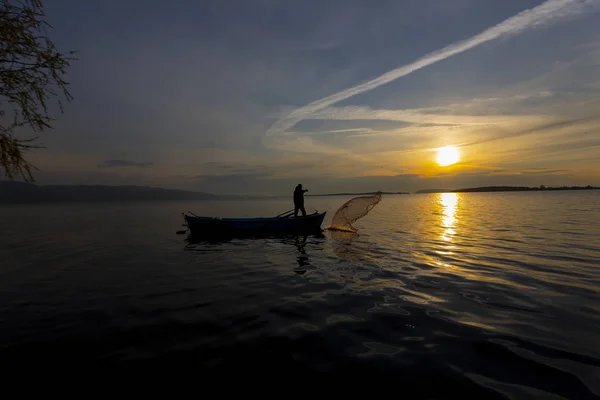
(547, 12)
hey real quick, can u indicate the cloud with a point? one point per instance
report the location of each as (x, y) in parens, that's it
(243, 178)
(236, 167)
(544, 128)
(545, 13)
(231, 178)
(543, 171)
(124, 163)
(419, 116)
(219, 171)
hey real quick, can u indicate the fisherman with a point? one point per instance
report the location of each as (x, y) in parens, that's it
(299, 200)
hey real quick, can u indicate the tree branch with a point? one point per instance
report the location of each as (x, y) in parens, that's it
(30, 69)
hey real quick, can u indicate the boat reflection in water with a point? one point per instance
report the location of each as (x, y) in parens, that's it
(300, 242)
(306, 245)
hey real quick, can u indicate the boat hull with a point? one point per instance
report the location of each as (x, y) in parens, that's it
(210, 227)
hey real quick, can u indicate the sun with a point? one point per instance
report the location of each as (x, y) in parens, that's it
(447, 156)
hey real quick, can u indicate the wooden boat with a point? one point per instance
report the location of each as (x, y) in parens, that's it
(281, 224)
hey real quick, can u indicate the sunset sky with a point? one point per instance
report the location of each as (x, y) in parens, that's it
(239, 96)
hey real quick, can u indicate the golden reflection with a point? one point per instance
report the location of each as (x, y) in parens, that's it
(449, 202)
(479, 276)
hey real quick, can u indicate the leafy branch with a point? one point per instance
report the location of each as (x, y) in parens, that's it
(32, 72)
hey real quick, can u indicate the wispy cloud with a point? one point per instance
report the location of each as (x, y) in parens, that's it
(418, 116)
(214, 169)
(542, 171)
(124, 163)
(546, 13)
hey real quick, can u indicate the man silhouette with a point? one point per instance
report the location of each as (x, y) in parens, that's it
(299, 200)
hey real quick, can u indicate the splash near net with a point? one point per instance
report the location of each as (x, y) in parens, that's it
(353, 210)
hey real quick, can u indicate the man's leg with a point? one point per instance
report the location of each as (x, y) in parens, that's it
(303, 210)
(296, 210)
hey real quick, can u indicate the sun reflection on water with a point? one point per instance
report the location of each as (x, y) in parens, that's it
(449, 203)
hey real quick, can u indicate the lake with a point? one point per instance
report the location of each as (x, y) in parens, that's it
(495, 295)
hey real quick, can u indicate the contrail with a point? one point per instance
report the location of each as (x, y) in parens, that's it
(545, 13)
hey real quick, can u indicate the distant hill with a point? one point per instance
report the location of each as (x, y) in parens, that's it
(522, 189)
(25, 193)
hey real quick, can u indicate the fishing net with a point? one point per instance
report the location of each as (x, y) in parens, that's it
(353, 210)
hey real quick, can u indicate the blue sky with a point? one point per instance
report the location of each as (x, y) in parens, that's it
(237, 96)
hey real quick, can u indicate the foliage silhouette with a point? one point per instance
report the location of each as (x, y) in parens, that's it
(31, 73)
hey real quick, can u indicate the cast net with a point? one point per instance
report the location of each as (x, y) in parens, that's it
(353, 210)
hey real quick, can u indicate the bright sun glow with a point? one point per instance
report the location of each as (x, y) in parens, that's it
(447, 156)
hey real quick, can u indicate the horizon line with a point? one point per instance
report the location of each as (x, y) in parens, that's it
(387, 192)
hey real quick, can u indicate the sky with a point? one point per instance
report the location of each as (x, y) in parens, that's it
(253, 97)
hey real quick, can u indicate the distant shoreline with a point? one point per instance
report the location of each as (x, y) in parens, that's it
(488, 189)
(25, 193)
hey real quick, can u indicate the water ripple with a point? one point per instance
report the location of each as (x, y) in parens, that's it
(495, 295)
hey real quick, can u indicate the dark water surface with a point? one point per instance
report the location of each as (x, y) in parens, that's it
(485, 295)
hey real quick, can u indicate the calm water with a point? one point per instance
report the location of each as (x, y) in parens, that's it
(495, 295)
